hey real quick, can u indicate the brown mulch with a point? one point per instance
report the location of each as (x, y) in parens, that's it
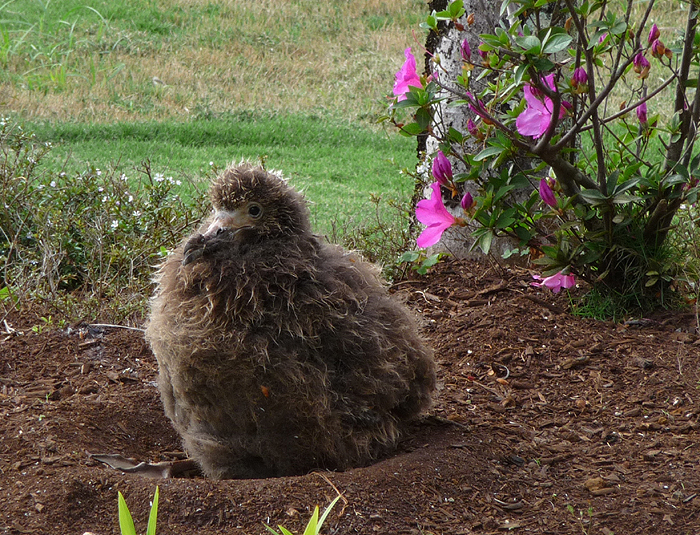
(542, 423)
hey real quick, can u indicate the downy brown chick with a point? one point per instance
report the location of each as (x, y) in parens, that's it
(279, 353)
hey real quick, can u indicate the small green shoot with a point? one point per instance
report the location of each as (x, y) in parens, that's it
(314, 525)
(126, 523)
(421, 262)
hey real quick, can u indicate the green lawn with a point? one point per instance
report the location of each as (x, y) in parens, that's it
(337, 165)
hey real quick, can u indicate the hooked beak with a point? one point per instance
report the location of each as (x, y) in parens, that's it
(202, 244)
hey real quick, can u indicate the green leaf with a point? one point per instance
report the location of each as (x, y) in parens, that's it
(542, 64)
(506, 219)
(455, 135)
(550, 251)
(456, 9)
(523, 233)
(557, 43)
(431, 260)
(312, 526)
(488, 152)
(411, 129)
(489, 42)
(409, 256)
(623, 198)
(423, 118)
(126, 523)
(484, 238)
(593, 196)
(330, 506)
(612, 181)
(519, 73)
(152, 517)
(529, 43)
(430, 22)
(674, 180)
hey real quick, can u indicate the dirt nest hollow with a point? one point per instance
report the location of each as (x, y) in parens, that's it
(542, 423)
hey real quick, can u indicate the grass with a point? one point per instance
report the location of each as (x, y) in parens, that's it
(188, 86)
(108, 60)
(338, 165)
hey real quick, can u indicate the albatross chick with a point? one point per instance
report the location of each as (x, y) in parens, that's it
(278, 352)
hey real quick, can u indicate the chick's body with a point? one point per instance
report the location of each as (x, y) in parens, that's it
(279, 353)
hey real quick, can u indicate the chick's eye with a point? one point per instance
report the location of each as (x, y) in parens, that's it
(255, 211)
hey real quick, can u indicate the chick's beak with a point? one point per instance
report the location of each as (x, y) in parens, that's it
(223, 221)
(226, 220)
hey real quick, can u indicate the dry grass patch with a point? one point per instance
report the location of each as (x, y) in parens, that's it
(336, 57)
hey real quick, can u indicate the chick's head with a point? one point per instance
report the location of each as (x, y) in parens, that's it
(250, 205)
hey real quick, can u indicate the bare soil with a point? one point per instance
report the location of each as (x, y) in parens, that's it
(542, 423)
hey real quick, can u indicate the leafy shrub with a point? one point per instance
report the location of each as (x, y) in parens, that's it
(84, 244)
(582, 184)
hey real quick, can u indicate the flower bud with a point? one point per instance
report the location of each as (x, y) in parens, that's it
(658, 49)
(470, 19)
(579, 80)
(642, 113)
(442, 169)
(641, 65)
(546, 193)
(654, 33)
(466, 51)
(580, 76)
(467, 201)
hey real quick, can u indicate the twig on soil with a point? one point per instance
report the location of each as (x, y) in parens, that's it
(110, 326)
(340, 494)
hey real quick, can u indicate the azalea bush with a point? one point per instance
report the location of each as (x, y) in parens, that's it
(563, 148)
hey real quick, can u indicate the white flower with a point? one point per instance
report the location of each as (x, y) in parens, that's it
(178, 183)
(100, 189)
(136, 213)
(115, 223)
(159, 177)
(104, 199)
(98, 172)
(124, 177)
(53, 184)
(131, 198)
(211, 163)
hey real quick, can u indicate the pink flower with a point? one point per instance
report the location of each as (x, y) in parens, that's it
(547, 194)
(642, 113)
(432, 212)
(442, 169)
(555, 282)
(467, 201)
(654, 33)
(407, 76)
(536, 118)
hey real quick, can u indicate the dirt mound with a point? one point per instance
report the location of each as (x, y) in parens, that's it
(542, 423)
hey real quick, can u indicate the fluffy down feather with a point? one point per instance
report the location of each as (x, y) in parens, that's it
(279, 353)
